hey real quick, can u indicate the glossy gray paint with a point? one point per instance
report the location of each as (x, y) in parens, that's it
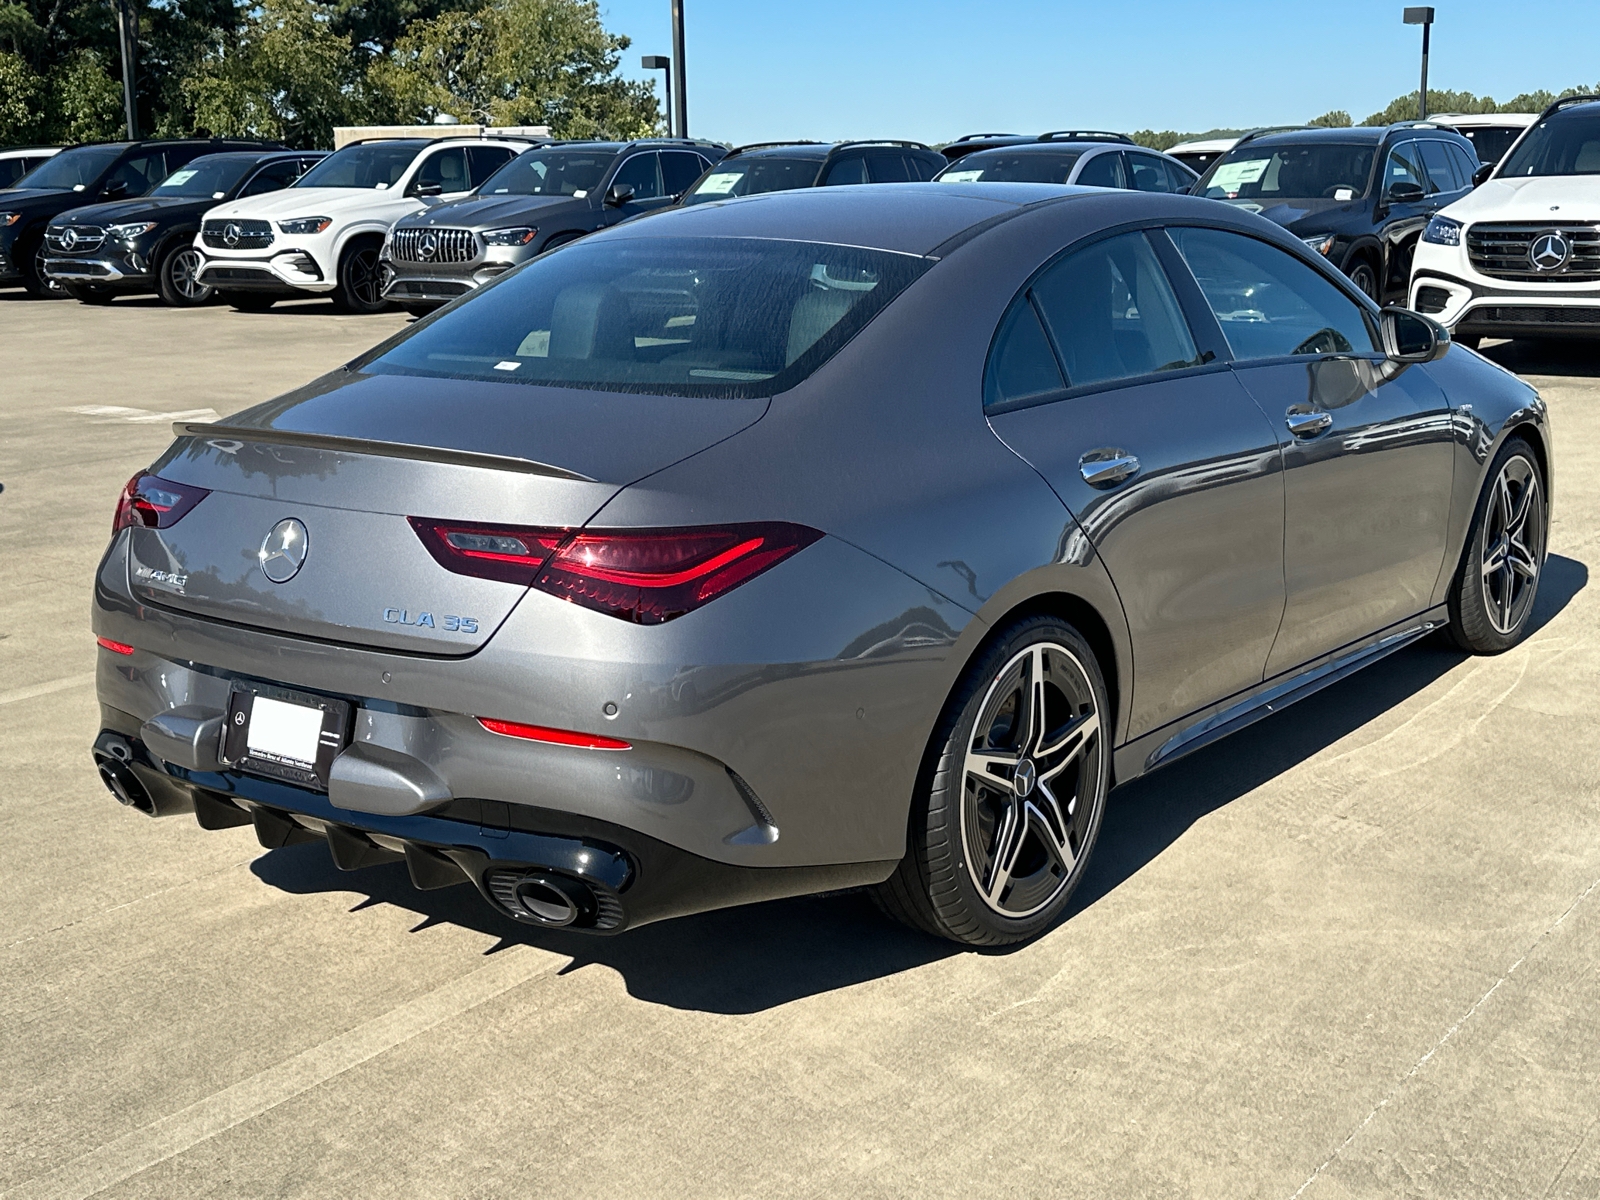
(820, 681)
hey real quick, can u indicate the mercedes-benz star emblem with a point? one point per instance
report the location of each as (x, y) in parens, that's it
(1549, 251)
(283, 550)
(230, 234)
(1027, 774)
(428, 246)
(69, 238)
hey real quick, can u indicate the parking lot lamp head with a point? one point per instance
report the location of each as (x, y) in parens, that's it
(660, 62)
(1423, 17)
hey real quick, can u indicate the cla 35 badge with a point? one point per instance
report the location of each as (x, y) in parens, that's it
(283, 550)
(426, 620)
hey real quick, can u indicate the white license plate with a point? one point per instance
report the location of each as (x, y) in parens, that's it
(284, 733)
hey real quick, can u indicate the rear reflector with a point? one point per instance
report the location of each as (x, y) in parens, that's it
(154, 502)
(114, 647)
(646, 576)
(556, 737)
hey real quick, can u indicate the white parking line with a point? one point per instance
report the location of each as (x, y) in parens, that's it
(140, 416)
(44, 689)
(249, 1098)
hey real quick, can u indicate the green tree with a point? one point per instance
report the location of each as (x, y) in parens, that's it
(518, 62)
(22, 92)
(287, 76)
(85, 101)
(1337, 119)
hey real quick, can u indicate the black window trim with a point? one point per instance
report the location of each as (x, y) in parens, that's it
(604, 189)
(1204, 327)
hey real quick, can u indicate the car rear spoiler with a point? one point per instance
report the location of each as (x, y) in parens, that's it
(216, 432)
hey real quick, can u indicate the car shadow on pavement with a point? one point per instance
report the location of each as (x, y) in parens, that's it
(746, 960)
(1546, 356)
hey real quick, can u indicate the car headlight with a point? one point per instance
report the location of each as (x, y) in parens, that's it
(520, 236)
(303, 225)
(1322, 243)
(126, 233)
(1442, 231)
(9, 218)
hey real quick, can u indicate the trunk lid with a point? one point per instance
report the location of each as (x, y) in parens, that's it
(352, 456)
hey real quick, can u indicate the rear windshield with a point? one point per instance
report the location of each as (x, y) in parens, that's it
(1314, 171)
(372, 165)
(1567, 143)
(727, 317)
(1491, 141)
(71, 168)
(997, 166)
(211, 176)
(751, 176)
(546, 173)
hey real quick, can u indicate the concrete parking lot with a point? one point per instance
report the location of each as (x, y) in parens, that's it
(1351, 951)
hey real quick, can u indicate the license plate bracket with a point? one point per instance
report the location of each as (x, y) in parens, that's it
(284, 733)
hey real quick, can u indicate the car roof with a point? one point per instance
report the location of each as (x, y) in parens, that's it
(1493, 120)
(905, 218)
(1076, 147)
(1203, 146)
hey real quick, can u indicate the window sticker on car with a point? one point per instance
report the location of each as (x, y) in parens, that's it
(720, 184)
(178, 177)
(1230, 177)
(961, 176)
(1344, 193)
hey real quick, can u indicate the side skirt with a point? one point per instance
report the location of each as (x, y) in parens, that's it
(1162, 746)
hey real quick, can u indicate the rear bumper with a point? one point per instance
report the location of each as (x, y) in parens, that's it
(534, 866)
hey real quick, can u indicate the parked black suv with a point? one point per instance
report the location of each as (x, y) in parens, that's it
(1360, 197)
(783, 166)
(543, 197)
(101, 251)
(87, 175)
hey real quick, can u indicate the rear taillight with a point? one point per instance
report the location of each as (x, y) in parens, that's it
(642, 575)
(154, 502)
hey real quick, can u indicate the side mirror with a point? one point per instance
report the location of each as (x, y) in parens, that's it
(428, 189)
(1410, 337)
(115, 188)
(1405, 192)
(619, 194)
(1481, 175)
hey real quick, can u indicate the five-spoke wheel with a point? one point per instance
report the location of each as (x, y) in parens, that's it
(1492, 600)
(1008, 812)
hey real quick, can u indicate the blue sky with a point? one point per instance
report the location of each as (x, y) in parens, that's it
(934, 69)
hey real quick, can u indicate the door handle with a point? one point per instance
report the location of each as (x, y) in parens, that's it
(1306, 422)
(1107, 468)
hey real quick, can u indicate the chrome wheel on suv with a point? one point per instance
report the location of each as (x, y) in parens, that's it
(178, 280)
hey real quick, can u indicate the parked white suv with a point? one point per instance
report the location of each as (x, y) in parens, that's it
(1519, 256)
(323, 234)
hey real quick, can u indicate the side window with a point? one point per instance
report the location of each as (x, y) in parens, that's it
(1103, 170)
(447, 169)
(1269, 303)
(272, 177)
(887, 168)
(1113, 313)
(1466, 162)
(1404, 166)
(140, 173)
(1150, 173)
(484, 161)
(679, 169)
(1021, 365)
(1178, 180)
(1440, 166)
(924, 169)
(643, 174)
(13, 169)
(847, 170)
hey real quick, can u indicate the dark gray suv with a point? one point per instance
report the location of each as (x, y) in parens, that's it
(540, 199)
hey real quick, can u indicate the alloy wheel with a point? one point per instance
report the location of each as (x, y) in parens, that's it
(1513, 544)
(183, 269)
(47, 286)
(1030, 778)
(364, 279)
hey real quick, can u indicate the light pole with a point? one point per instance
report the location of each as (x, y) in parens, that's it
(1423, 17)
(680, 99)
(127, 34)
(660, 62)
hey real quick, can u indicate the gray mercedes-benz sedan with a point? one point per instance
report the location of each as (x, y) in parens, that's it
(820, 539)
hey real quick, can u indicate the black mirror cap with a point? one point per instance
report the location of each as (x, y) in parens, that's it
(1406, 192)
(1410, 337)
(619, 194)
(1481, 175)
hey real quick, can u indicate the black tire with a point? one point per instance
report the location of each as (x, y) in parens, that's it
(250, 302)
(87, 293)
(1497, 583)
(39, 285)
(360, 280)
(175, 278)
(954, 881)
(1365, 276)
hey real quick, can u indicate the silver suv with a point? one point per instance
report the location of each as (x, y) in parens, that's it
(544, 197)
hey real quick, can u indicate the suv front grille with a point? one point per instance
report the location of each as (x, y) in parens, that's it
(1502, 250)
(236, 233)
(1530, 315)
(74, 239)
(434, 245)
